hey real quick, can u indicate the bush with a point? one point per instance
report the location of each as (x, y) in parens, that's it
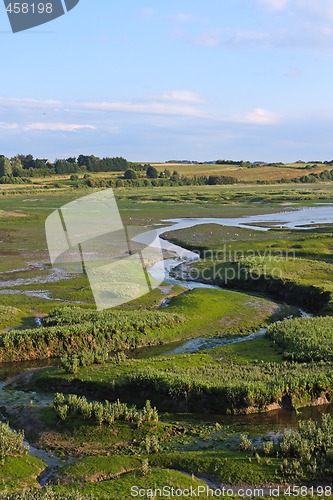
(72, 405)
(130, 174)
(45, 494)
(152, 172)
(268, 447)
(309, 450)
(86, 333)
(11, 442)
(304, 339)
(245, 442)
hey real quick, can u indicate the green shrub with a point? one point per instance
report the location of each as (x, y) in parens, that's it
(81, 332)
(73, 405)
(304, 339)
(11, 442)
(309, 450)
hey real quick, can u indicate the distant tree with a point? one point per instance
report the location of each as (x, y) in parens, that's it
(221, 179)
(130, 174)
(175, 176)
(72, 159)
(92, 163)
(39, 163)
(5, 167)
(82, 160)
(65, 167)
(27, 161)
(17, 166)
(152, 172)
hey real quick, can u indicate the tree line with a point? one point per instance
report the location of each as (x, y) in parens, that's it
(22, 168)
(25, 166)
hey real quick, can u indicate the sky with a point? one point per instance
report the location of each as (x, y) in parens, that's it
(178, 79)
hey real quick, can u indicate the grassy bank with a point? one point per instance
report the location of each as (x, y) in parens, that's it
(199, 312)
(193, 382)
(295, 267)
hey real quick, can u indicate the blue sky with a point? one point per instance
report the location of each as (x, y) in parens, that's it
(152, 81)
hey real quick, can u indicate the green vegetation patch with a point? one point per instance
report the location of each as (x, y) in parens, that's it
(192, 314)
(193, 382)
(98, 468)
(227, 467)
(11, 442)
(17, 473)
(259, 350)
(212, 312)
(109, 413)
(307, 283)
(304, 339)
(115, 331)
(8, 315)
(146, 478)
(309, 451)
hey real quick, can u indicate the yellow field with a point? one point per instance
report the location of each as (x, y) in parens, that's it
(260, 173)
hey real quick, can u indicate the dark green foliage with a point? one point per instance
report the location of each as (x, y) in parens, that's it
(95, 164)
(5, 167)
(46, 494)
(78, 331)
(309, 450)
(130, 174)
(72, 362)
(304, 339)
(196, 381)
(213, 180)
(11, 442)
(232, 389)
(152, 172)
(65, 167)
(72, 405)
(131, 318)
(324, 176)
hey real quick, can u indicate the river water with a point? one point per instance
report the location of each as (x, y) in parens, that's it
(298, 218)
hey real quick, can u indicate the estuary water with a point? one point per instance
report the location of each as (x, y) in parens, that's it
(298, 218)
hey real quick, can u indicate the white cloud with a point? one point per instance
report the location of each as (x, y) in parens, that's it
(29, 103)
(182, 17)
(178, 103)
(148, 12)
(211, 39)
(229, 38)
(8, 126)
(258, 116)
(250, 36)
(181, 96)
(56, 127)
(108, 116)
(320, 8)
(275, 4)
(293, 72)
(149, 107)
